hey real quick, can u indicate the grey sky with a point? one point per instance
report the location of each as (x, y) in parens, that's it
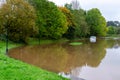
(109, 8)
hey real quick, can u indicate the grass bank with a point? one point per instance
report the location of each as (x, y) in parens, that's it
(11, 69)
(34, 41)
(113, 35)
(10, 45)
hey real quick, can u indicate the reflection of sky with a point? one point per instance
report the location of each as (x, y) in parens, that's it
(107, 70)
(114, 50)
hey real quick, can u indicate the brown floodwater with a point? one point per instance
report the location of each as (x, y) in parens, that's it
(89, 61)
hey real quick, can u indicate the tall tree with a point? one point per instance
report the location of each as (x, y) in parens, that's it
(79, 19)
(96, 22)
(51, 21)
(18, 18)
(82, 28)
(71, 25)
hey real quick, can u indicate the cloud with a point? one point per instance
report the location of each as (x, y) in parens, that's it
(109, 8)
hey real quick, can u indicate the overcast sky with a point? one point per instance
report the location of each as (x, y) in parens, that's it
(110, 9)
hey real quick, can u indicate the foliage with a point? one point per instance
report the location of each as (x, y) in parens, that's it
(112, 30)
(18, 19)
(71, 25)
(82, 28)
(96, 22)
(113, 27)
(118, 30)
(51, 21)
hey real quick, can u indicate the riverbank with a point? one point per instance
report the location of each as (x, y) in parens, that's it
(113, 35)
(12, 69)
(33, 41)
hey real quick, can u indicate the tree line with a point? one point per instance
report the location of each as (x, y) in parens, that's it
(113, 27)
(43, 19)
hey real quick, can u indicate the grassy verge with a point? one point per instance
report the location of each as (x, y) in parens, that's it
(10, 45)
(11, 69)
(113, 35)
(33, 41)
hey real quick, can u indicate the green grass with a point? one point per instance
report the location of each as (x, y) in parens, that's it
(11, 69)
(113, 35)
(33, 41)
(75, 43)
(10, 45)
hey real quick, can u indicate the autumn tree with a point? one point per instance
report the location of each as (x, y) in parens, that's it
(51, 21)
(71, 25)
(18, 17)
(96, 22)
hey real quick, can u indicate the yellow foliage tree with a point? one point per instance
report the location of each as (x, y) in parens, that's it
(18, 18)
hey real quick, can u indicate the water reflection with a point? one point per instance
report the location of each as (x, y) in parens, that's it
(63, 57)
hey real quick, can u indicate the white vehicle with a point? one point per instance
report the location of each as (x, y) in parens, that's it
(93, 39)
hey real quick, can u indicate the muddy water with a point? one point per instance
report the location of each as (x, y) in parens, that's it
(89, 61)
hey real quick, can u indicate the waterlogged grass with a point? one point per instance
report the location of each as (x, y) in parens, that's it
(11, 69)
(75, 43)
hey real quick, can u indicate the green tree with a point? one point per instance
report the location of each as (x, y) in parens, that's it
(118, 30)
(96, 22)
(51, 21)
(71, 25)
(82, 28)
(112, 30)
(79, 18)
(18, 17)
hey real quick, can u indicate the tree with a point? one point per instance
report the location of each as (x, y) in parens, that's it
(79, 19)
(112, 30)
(118, 30)
(71, 25)
(51, 21)
(96, 22)
(18, 17)
(81, 26)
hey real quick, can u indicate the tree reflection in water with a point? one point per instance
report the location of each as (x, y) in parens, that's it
(63, 57)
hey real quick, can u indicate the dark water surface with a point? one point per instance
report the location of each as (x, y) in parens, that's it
(89, 61)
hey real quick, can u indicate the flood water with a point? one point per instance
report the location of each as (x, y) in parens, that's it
(89, 61)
